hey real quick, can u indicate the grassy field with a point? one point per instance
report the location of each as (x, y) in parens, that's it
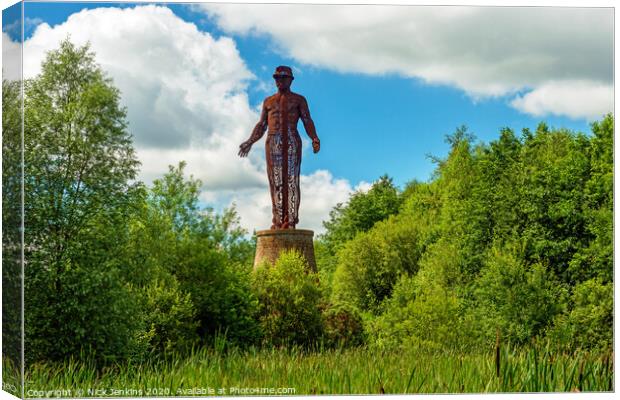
(354, 371)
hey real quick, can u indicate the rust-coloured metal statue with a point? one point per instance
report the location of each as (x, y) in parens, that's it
(279, 117)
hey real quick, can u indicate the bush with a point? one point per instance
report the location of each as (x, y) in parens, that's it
(520, 300)
(89, 311)
(343, 326)
(370, 264)
(169, 316)
(590, 322)
(423, 313)
(288, 301)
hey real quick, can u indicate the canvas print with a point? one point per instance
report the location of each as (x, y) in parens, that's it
(217, 199)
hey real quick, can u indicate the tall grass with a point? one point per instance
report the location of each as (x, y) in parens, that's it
(11, 377)
(354, 371)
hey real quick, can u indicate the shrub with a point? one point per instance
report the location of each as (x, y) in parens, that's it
(343, 326)
(422, 313)
(169, 316)
(370, 264)
(89, 311)
(519, 299)
(288, 301)
(590, 322)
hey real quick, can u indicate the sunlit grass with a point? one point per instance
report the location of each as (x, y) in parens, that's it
(11, 377)
(354, 371)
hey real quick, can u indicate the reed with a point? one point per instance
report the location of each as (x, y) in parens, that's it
(353, 371)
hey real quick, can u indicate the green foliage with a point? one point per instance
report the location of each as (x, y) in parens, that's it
(78, 166)
(206, 253)
(361, 212)
(371, 263)
(93, 312)
(518, 299)
(326, 262)
(11, 220)
(343, 326)
(288, 298)
(421, 314)
(177, 199)
(589, 324)
(425, 310)
(169, 316)
(79, 158)
(464, 219)
(551, 179)
(127, 270)
(596, 259)
(503, 232)
(358, 215)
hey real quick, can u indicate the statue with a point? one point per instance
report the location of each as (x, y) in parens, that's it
(283, 147)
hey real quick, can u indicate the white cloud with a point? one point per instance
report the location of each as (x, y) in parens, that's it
(213, 166)
(320, 192)
(580, 99)
(11, 58)
(485, 51)
(185, 91)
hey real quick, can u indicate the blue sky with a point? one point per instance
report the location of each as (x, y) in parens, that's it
(382, 96)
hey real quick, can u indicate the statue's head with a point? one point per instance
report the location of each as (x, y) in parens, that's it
(283, 76)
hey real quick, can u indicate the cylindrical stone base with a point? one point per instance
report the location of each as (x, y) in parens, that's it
(270, 243)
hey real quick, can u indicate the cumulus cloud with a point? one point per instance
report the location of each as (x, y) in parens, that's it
(186, 95)
(181, 85)
(485, 51)
(580, 99)
(185, 91)
(11, 58)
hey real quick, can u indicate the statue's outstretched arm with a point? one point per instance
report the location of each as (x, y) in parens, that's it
(260, 128)
(257, 133)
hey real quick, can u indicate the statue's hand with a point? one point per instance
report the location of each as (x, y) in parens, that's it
(316, 145)
(244, 148)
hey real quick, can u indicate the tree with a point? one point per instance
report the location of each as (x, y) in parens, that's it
(11, 219)
(519, 299)
(79, 154)
(359, 214)
(596, 259)
(550, 179)
(207, 253)
(79, 163)
(589, 324)
(369, 265)
(362, 211)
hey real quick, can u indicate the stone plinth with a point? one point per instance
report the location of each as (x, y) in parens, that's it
(270, 243)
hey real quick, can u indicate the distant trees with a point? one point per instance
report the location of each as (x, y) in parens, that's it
(505, 237)
(361, 212)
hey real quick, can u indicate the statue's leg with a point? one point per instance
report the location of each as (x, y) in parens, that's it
(297, 183)
(273, 150)
(293, 178)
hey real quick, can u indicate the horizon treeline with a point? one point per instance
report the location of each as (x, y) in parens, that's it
(512, 239)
